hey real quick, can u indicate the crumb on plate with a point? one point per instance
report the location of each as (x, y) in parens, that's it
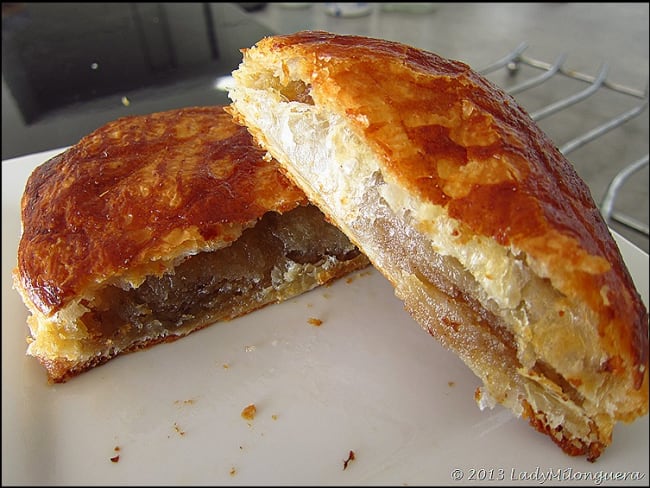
(249, 412)
(178, 429)
(116, 458)
(189, 401)
(350, 458)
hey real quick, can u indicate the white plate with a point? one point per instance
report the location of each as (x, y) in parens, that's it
(369, 379)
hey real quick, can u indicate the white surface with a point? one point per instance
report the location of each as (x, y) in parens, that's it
(369, 379)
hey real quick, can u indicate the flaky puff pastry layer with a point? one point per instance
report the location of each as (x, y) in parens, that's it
(484, 228)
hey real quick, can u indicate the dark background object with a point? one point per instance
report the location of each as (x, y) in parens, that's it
(68, 68)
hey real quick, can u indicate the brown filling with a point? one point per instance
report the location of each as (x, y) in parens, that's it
(447, 277)
(452, 290)
(546, 370)
(218, 285)
(297, 91)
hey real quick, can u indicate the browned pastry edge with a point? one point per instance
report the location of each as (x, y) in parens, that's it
(569, 444)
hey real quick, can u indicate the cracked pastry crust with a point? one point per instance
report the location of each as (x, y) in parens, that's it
(485, 230)
(154, 226)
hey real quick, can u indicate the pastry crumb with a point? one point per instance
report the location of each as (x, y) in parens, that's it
(451, 383)
(315, 322)
(233, 471)
(350, 458)
(178, 430)
(189, 401)
(249, 412)
(274, 416)
(116, 458)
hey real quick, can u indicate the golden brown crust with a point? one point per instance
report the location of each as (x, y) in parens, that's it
(137, 190)
(429, 118)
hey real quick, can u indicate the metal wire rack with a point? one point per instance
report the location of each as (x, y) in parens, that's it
(513, 62)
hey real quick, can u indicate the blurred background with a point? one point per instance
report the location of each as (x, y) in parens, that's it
(68, 68)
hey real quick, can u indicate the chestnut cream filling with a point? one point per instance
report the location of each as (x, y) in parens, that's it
(280, 255)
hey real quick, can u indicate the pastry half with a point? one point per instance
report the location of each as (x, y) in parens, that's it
(155, 226)
(485, 230)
